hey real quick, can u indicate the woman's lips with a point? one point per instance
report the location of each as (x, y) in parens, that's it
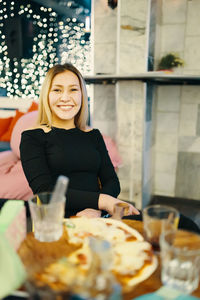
(65, 107)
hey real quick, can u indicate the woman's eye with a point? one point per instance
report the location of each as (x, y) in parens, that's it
(74, 89)
(56, 90)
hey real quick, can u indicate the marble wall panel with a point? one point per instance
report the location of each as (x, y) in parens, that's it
(130, 119)
(167, 122)
(125, 134)
(132, 60)
(189, 144)
(126, 92)
(192, 53)
(124, 172)
(188, 112)
(130, 105)
(198, 122)
(190, 94)
(188, 176)
(187, 128)
(164, 184)
(105, 29)
(188, 120)
(169, 98)
(167, 142)
(104, 103)
(133, 36)
(165, 162)
(106, 127)
(174, 11)
(137, 9)
(107, 63)
(169, 40)
(193, 17)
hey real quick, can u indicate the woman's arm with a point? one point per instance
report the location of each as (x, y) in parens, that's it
(34, 161)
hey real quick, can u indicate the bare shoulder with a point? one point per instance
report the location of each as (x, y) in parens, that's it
(43, 127)
(88, 129)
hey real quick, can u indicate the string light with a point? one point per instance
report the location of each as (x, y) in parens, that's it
(57, 39)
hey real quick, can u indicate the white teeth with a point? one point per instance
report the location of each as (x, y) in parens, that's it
(65, 107)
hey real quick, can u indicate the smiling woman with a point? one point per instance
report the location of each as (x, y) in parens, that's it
(61, 144)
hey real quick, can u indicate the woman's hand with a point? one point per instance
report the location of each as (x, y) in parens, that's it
(89, 213)
(107, 203)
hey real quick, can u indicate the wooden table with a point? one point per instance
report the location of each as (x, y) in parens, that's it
(150, 285)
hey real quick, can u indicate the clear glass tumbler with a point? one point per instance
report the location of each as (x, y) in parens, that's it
(156, 219)
(47, 217)
(180, 257)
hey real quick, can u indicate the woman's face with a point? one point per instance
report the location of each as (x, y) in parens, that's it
(65, 98)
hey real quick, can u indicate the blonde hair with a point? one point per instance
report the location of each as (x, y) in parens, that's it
(44, 111)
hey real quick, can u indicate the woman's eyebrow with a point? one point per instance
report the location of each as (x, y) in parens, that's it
(62, 85)
(56, 85)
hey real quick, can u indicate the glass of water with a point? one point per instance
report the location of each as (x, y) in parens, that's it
(47, 217)
(180, 257)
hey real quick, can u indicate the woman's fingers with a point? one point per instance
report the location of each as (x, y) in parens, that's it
(129, 209)
(135, 211)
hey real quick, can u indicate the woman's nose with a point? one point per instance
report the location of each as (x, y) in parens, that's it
(65, 96)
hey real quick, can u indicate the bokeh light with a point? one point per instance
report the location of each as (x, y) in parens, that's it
(57, 39)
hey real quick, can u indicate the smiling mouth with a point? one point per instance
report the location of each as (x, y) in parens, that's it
(65, 107)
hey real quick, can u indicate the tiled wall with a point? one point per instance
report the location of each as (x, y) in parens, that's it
(156, 128)
(177, 149)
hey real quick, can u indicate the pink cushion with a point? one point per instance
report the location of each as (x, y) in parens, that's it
(25, 122)
(13, 181)
(112, 151)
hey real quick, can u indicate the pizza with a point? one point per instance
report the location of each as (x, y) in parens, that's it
(112, 230)
(132, 258)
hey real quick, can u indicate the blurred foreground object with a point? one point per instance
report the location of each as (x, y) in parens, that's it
(180, 260)
(13, 222)
(12, 272)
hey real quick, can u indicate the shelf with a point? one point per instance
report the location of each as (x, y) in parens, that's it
(160, 78)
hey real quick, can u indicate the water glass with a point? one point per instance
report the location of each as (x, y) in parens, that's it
(156, 219)
(47, 217)
(180, 257)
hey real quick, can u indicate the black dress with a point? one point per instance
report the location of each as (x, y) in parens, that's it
(79, 155)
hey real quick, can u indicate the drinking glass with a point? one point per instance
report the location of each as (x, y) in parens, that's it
(156, 219)
(180, 257)
(47, 217)
(120, 210)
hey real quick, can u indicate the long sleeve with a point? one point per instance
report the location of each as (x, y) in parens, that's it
(34, 162)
